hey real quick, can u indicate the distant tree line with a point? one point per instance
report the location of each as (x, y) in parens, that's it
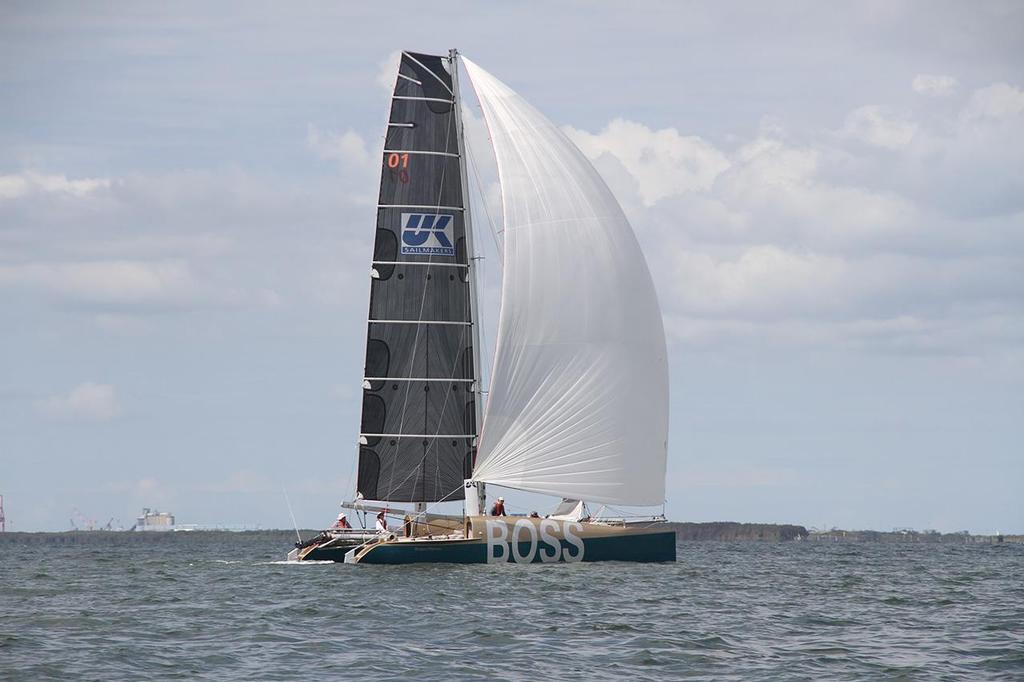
(730, 530)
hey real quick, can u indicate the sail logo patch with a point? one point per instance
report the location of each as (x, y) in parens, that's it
(427, 234)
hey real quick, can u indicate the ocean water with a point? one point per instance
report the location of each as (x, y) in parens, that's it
(222, 606)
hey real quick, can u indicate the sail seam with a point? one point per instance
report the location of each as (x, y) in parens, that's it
(413, 262)
(423, 99)
(419, 151)
(372, 321)
(417, 435)
(436, 208)
(460, 381)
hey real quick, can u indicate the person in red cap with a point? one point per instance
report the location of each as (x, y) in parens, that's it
(499, 507)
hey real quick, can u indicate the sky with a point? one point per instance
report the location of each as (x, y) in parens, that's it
(830, 197)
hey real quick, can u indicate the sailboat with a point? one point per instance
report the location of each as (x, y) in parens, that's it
(577, 406)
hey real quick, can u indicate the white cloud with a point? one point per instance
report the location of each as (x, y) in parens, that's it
(996, 101)
(662, 161)
(761, 280)
(88, 401)
(22, 184)
(118, 282)
(348, 147)
(386, 70)
(816, 238)
(876, 126)
(245, 481)
(932, 85)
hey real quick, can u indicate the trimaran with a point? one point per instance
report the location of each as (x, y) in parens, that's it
(578, 400)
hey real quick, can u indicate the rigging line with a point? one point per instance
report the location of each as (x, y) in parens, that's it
(431, 505)
(423, 298)
(291, 513)
(488, 359)
(483, 196)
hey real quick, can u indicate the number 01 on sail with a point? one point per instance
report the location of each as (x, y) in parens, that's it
(578, 400)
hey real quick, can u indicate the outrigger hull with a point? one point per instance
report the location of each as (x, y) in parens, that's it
(523, 541)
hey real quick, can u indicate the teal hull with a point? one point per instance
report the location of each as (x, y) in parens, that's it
(645, 547)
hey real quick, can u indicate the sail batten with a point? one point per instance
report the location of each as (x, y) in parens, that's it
(418, 427)
(578, 403)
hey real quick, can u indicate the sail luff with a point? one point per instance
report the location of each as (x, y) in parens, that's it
(471, 257)
(578, 403)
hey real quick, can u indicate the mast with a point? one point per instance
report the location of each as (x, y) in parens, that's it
(473, 259)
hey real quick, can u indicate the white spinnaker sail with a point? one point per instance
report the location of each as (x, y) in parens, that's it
(578, 405)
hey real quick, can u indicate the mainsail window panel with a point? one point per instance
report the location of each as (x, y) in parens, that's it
(424, 76)
(421, 179)
(431, 72)
(420, 293)
(378, 358)
(369, 473)
(414, 407)
(469, 418)
(385, 248)
(407, 470)
(430, 131)
(426, 351)
(374, 414)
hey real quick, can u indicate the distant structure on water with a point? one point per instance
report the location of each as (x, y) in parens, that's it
(154, 520)
(3, 520)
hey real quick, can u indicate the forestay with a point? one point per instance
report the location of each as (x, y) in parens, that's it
(578, 404)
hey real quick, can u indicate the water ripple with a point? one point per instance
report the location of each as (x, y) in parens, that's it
(223, 606)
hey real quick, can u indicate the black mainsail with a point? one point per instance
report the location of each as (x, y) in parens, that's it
(419, 415)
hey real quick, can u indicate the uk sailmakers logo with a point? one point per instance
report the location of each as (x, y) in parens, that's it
(427, 234)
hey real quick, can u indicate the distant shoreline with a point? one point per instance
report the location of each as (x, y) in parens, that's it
(714, 531)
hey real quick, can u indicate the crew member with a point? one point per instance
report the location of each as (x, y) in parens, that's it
(342, 521)
(499, 507)
(382, 522)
